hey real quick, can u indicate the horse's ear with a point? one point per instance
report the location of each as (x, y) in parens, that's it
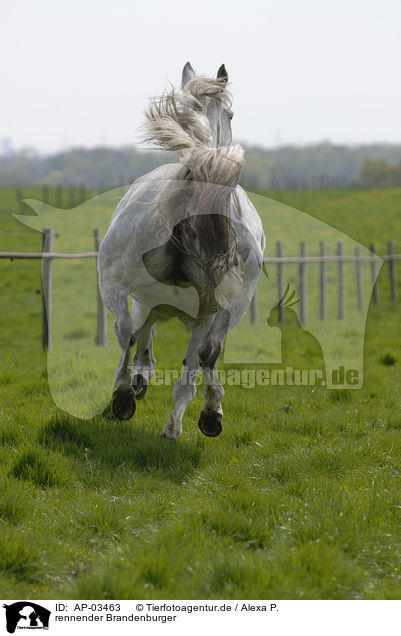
(222, 73)
(188, 73)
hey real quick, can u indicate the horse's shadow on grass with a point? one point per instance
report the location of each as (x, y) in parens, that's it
(110, 443)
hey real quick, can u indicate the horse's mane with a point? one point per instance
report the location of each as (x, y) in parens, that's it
(177, 122)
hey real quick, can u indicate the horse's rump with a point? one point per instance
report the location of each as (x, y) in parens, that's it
(198, 215)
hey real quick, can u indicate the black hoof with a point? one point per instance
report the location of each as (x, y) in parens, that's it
(140, 386)
(124, 404)
(210, 423)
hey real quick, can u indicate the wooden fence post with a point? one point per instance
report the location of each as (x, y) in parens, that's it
(101, 332)
(358, 264)
(393, 286)
(280, 282)
(340, 253)
(47, 279)
(323, 304)
(374, 277)
(302, 284)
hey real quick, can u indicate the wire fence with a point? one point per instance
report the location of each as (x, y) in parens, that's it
(48, 255)
(303, 261)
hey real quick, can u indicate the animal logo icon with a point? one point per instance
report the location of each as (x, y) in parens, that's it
(297, 344)
(26, 615)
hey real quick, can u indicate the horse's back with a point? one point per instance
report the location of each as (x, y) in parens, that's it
(139, 239)
(144, 191)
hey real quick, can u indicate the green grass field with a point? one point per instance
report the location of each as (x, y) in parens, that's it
(300, 497)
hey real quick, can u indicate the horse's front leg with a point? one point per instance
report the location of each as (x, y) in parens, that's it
(210, 421)
(185, 387)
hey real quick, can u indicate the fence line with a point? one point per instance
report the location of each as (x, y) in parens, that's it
(340, 253)
(279, 248)
(47, 284)
(359, 276)
(302, 282)
(323, 283)
(340, 258)
(47, 257)
(302, 260)
(374, 276)
(328, 259)
(268, 259)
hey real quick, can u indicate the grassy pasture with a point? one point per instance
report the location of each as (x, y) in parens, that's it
(298, 498)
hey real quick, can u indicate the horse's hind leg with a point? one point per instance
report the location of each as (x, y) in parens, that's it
(143, 363)
(185, 387)
(115, 298)
(211, 347)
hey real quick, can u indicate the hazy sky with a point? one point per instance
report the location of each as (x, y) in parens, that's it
(81, 72)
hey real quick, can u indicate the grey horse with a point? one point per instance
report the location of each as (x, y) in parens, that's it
(184, 241)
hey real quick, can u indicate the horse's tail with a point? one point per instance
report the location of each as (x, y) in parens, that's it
(207, 233)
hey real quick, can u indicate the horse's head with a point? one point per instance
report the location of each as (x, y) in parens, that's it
(213, 100)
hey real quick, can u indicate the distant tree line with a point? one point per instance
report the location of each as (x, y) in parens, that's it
(100, 167)
(316, 166)
(379, 173)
